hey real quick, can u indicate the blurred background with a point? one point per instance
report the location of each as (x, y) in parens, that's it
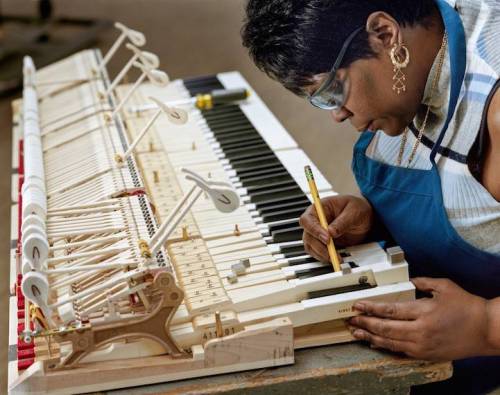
(192, 38)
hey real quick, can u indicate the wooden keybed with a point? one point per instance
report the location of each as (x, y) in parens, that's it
(221, 325)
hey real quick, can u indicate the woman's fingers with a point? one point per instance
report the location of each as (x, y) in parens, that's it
(393, 329)
(315, 248)
(384, 342)
(310, 222)
(397, 311)
(349, 218)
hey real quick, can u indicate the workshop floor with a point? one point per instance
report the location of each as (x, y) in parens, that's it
(191, 37)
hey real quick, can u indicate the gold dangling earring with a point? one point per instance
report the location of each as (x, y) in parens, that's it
(399, 64)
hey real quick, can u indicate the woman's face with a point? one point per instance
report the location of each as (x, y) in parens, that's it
(371, 103)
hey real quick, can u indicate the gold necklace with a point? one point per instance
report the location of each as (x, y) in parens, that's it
(404, 138)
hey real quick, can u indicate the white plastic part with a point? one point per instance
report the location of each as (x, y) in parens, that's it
(148, 59)
(156, 77)
(35, 247)
(225, 199)
(35, 287)
(32, 219)
(223, 196)
(66, 313)
(25, 267)
(175, 115)
(136, 37)
(34, 201)
(28, 71)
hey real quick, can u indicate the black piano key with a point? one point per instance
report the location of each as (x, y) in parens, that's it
(249, 153)
(339, 290)
(272, 184)
(228, 123)
(209, 78)
(299, 201)
(238, 143)
(238, 140)
(221, 112)
(216, 111)
(276, 227)
(291, 252)
(261, 171)
(275, 195)
(202, 86)
(295, 254)
(250, 141)
(302, 261)
(282, 215)
(317, 271)
(265, 178)
(232, 129)
(248, 163)
(259, 147)
(255, 164)
(219, 116)
(284, 235)
(282, 227)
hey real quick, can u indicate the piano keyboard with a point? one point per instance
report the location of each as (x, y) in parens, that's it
(247, 284)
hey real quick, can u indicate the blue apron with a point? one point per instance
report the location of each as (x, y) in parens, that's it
(410, 204)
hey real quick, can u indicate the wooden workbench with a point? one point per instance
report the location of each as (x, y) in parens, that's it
(341, 369)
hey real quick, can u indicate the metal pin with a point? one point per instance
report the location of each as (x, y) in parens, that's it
(185, 234)
(218, 325)
(237, 230)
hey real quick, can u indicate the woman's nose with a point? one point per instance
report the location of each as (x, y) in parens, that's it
(341, 114)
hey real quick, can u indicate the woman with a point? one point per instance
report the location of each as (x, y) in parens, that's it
(419, 79)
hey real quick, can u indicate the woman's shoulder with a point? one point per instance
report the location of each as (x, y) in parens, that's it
(494, 119)
(491, 176)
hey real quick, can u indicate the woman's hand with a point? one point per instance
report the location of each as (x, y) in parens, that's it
(453, 324)
(350, 219)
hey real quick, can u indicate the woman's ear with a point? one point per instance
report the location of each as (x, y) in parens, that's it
(383, 31)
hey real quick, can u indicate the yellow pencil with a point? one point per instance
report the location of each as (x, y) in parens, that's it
(322, 220)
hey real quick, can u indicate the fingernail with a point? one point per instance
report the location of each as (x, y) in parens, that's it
(359, 306)
(353, 321)
(357, 333)
(323, 238)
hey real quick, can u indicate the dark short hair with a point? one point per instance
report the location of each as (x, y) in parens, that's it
(293, 40)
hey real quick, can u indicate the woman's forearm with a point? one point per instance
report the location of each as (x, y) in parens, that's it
(493, 327)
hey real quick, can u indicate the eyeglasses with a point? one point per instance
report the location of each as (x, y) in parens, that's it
(331, 94)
